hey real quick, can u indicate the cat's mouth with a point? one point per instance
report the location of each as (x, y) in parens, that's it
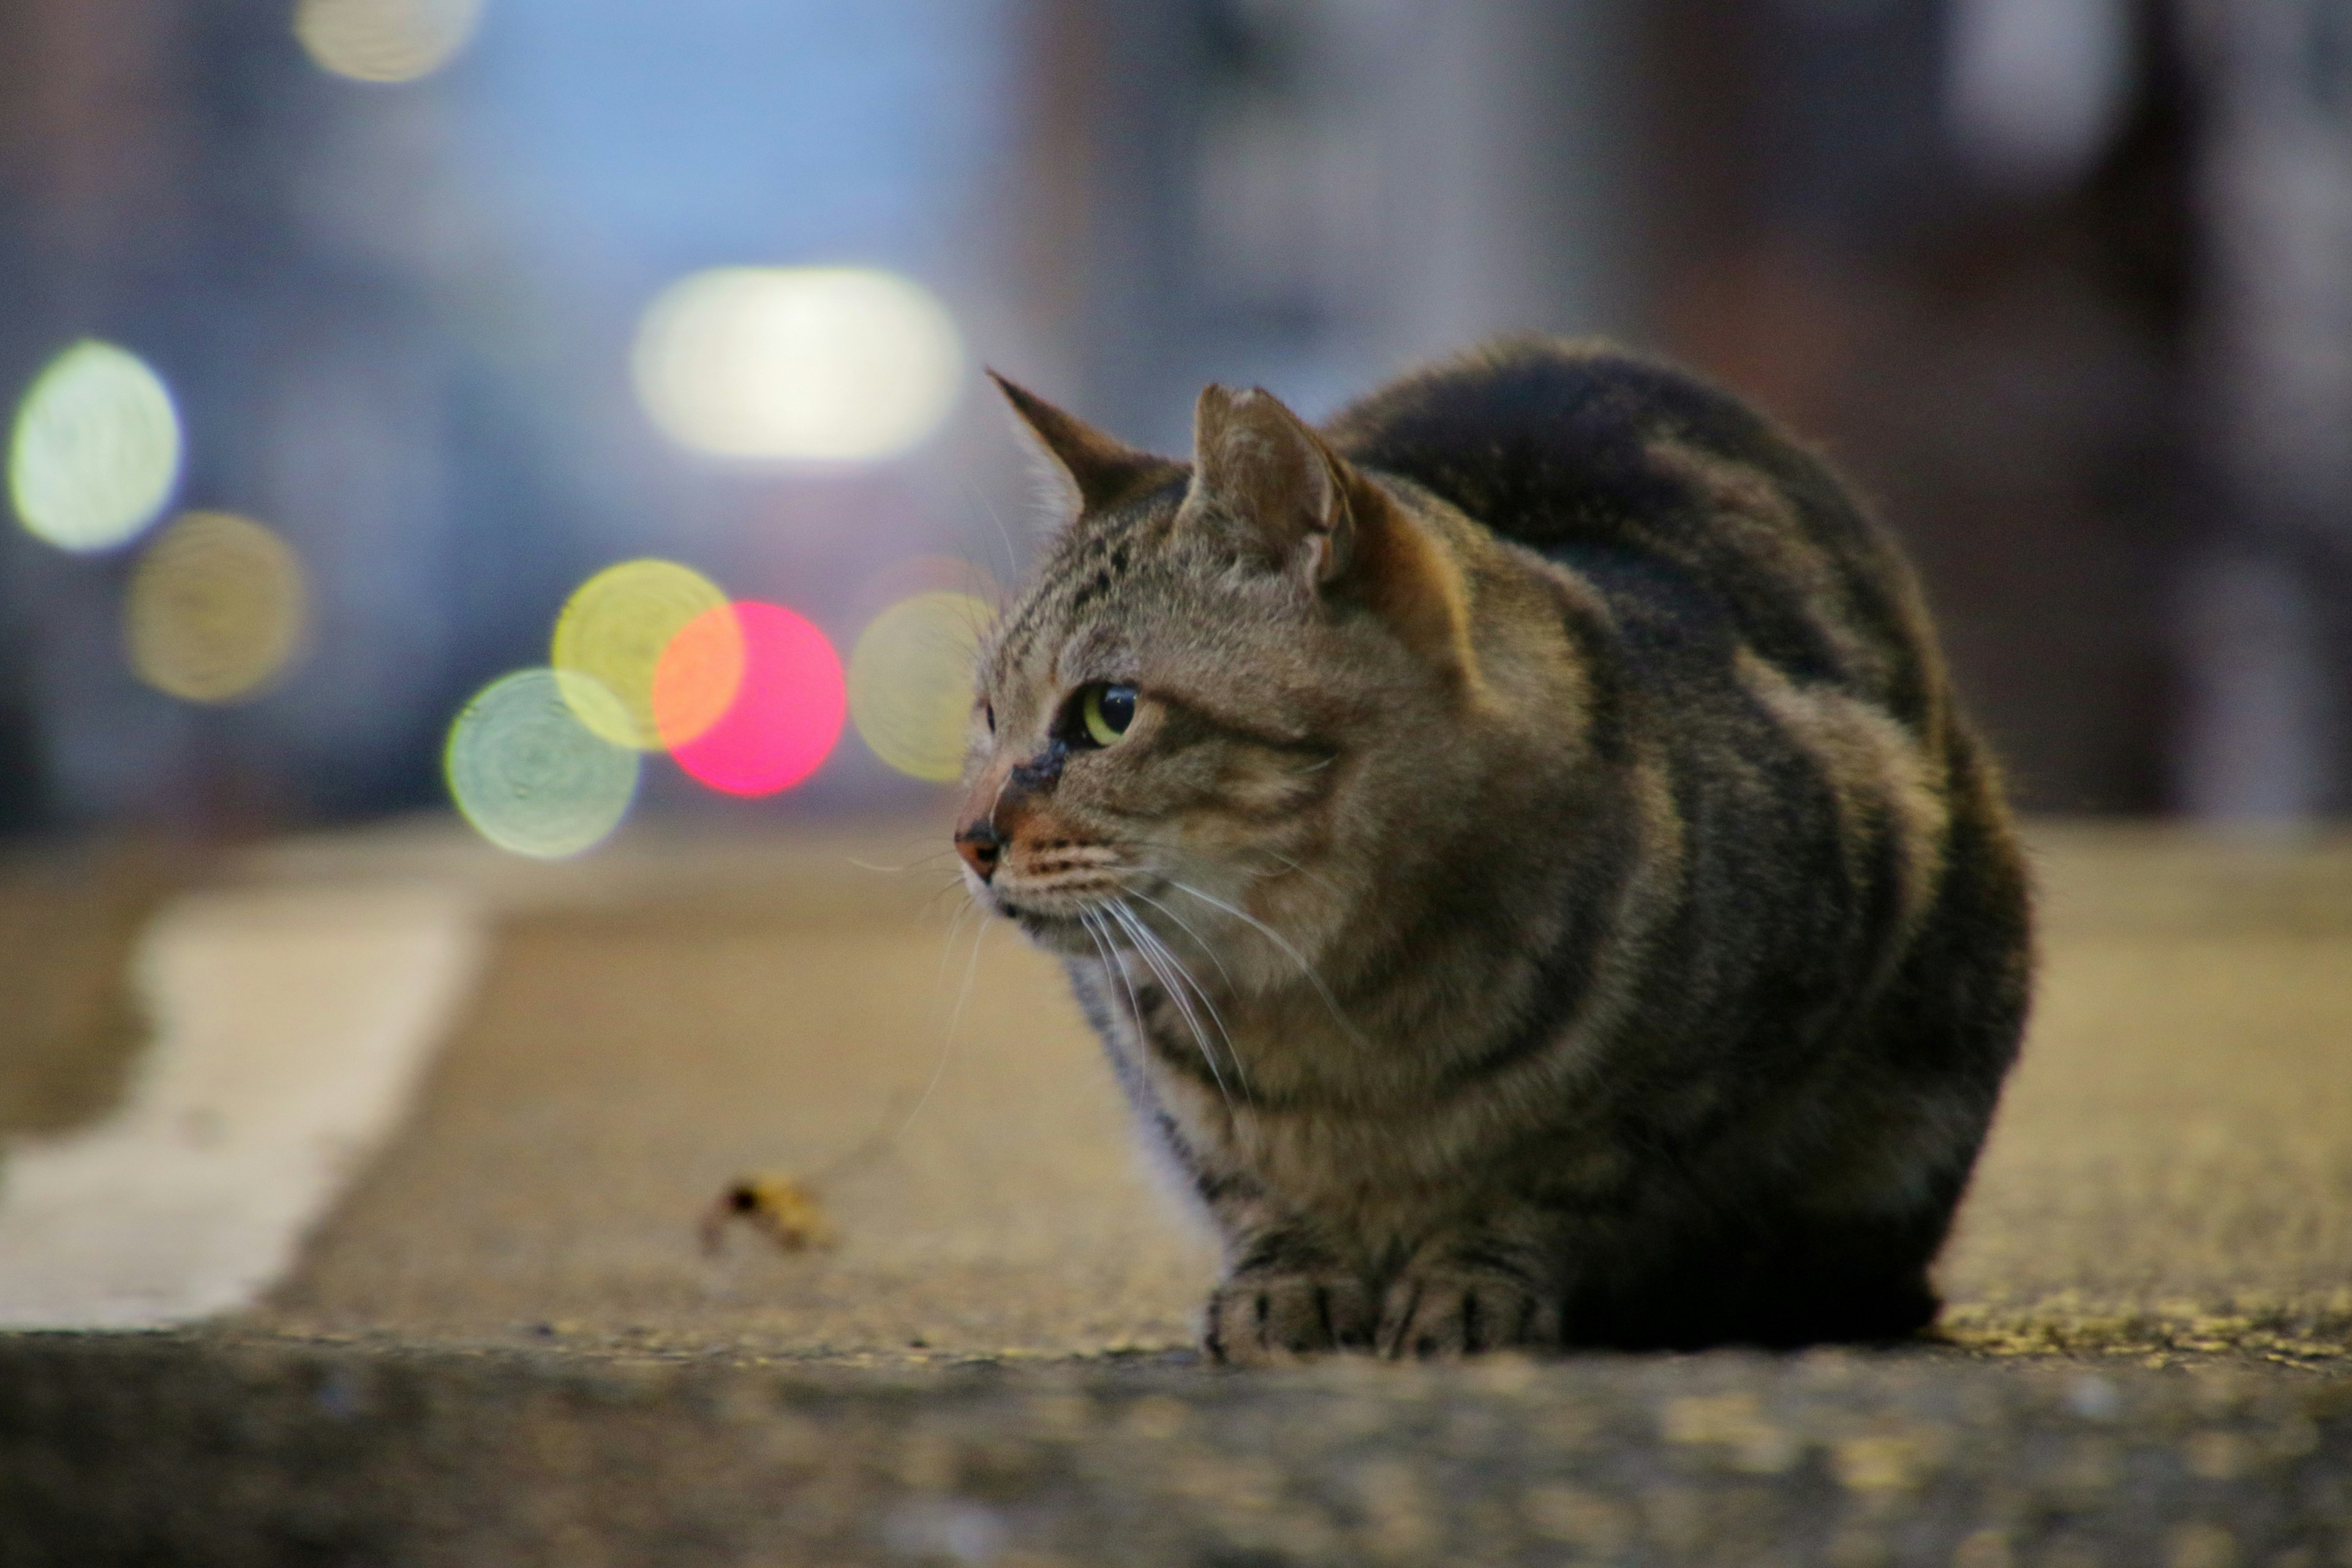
(1058, 892)
(1061, 918)
(1081, 915)
(1055, 931)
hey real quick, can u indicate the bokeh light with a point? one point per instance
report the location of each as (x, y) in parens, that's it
(698, 677)
(530, 774)
(785, 717)
(614, 628)
(913, 574)
(215, 609)
(910, 682)
(825, 364)
(96, 449)
(385, 40)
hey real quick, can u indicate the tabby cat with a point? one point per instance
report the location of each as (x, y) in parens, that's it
(1520, 850)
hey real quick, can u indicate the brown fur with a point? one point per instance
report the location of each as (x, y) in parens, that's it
(1545, 895)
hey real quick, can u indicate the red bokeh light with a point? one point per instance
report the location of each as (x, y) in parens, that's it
(787, 712)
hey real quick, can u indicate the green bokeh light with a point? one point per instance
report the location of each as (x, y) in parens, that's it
(530, 774)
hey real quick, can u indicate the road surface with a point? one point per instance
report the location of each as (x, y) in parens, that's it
(504, 1329)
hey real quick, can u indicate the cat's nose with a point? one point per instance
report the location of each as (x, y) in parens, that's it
(977, 844)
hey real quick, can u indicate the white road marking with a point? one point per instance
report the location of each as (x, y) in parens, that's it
(292, 1027)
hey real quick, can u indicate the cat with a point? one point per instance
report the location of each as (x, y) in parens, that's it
(1521, 851)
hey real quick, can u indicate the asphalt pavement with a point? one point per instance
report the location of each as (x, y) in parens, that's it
(509, 1339)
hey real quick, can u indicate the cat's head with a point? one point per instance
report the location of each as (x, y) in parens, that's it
(1233, 688)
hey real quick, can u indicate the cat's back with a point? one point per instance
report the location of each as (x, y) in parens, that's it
(1664, 489)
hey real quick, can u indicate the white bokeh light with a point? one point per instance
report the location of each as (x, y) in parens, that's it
(96, 449)
(385, 40)
(816, 364)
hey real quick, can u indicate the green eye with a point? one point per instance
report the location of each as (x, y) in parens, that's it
(1106, 711)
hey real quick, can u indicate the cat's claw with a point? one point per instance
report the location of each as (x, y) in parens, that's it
(1256, 1320)
(1440, 1315)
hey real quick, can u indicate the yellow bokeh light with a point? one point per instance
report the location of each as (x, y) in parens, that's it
(913, 574)
(385, 40)
(215, 609)
(96, 449)
(910, 682)
(614, 628)
(820, 363)
(531, 775)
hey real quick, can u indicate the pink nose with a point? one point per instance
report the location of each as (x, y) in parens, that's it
(977, 844)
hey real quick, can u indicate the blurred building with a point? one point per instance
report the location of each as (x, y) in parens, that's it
(396, 318)
(2063, 283)
(2266, 614)
(292, 257)
(1952, 241)
(1309, 197)
(2058, 281)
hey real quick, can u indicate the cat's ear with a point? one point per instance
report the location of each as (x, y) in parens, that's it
(1093, 470)
(1304, 510)
(1273, 478)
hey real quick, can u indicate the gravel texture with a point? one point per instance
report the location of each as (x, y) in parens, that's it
(212, 1450)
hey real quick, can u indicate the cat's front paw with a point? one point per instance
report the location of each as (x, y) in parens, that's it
(1461, 1313)
(1260, 1318)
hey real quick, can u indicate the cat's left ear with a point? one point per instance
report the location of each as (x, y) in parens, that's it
(1273, 482)
(1260, 473)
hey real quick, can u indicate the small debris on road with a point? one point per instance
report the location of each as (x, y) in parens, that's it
(780, 1207)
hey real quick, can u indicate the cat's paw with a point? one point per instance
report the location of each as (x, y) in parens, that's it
(1263, 1318)
(1452, 1314)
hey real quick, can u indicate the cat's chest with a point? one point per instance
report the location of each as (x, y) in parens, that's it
(1375, 1170)
(1301, 1098)
(1296, 1055)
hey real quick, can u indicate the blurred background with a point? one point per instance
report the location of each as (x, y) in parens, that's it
(348, 342)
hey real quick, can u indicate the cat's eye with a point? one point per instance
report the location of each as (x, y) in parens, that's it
(988, 714)
(1106, 711)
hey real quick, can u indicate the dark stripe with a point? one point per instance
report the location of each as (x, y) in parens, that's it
(1186, 705)
(1186, 1058)
(1215, 1187)
(1490, 1260)
(1564, 978)
(1281, 1251)
(1593, 642)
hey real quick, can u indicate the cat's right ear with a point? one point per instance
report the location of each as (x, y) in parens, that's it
(1091, 470)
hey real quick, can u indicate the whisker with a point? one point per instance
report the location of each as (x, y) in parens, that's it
(1156, 952)
(1102, 951)
(952, 885)
(1198, 941)
(1144, 932)
(1283, 942)
(997, 800)
(874, 1142)
(1308, 873)
(895, 870)
(1012, 557)
(955, 1021)
(947, 943)
(1285, 861)
(971, 972)
(1094, 924)
(1177, 979)
(1144, 946)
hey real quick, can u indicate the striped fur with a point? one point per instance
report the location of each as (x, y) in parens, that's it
(1547, 896)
